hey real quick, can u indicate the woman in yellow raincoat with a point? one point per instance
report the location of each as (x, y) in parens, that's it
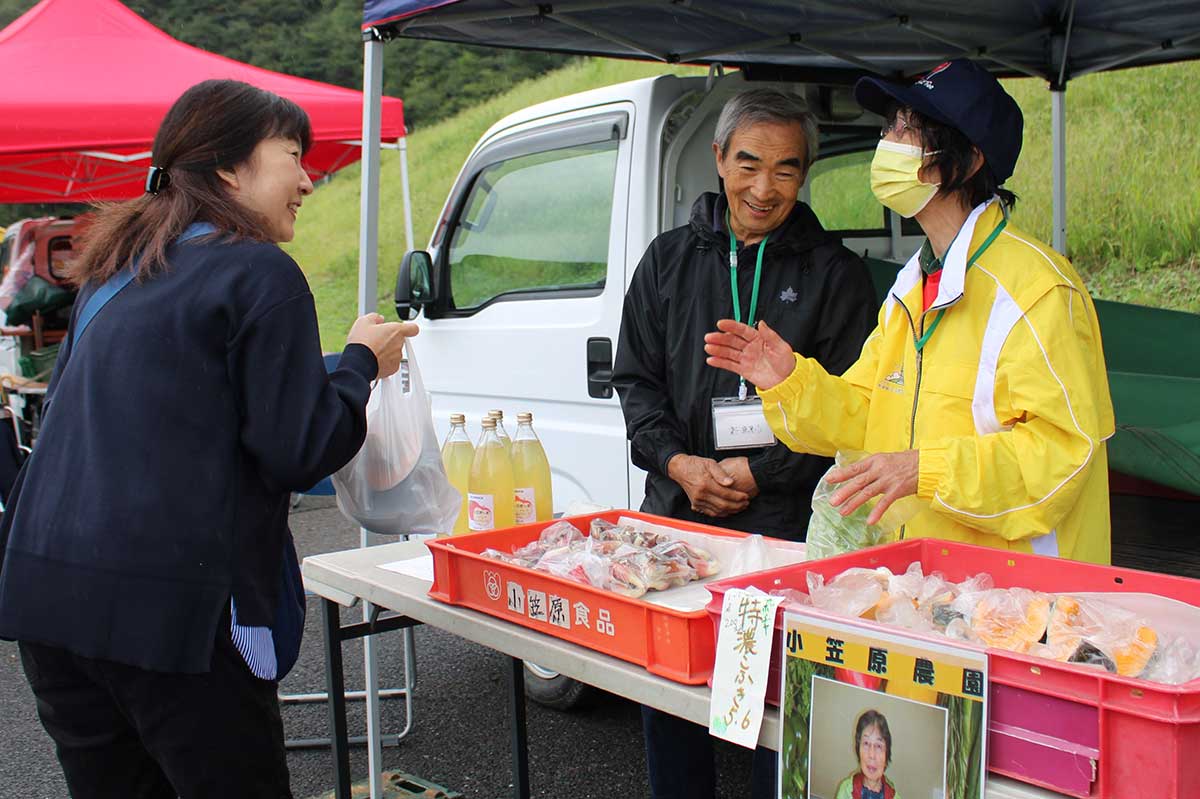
(983, 388)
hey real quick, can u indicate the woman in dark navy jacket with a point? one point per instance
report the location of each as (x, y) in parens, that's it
(146, 566)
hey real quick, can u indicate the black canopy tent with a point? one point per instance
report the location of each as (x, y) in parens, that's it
(1051, 39)
(835, 43)
(815, 40)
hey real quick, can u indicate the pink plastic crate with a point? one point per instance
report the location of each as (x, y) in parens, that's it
(1066, 727)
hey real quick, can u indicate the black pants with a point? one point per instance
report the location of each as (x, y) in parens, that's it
(679, 758)
(124, 732)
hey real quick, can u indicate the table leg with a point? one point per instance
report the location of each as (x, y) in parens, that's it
(335, 685)
(520, 751)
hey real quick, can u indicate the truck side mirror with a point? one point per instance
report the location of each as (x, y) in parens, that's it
(414, 284)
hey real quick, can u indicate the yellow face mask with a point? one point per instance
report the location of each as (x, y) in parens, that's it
(894, 178)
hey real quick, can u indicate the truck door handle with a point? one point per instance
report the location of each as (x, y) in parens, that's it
(599, 368)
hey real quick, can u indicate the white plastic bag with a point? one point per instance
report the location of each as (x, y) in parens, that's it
(17, 275)
(396, 483)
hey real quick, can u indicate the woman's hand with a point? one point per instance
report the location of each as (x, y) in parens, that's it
(385, 339)
(758, 354)
(889, 476)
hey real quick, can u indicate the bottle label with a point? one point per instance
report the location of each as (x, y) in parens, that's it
(524, 505)
(481, 511)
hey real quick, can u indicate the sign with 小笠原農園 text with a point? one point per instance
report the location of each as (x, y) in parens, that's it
(868, 713)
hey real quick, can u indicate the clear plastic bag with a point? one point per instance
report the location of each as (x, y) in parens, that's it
(830, 533)
(852, 593)
(620, 558)
(17, 275)
(396, 484)
(560, 532)
(791, 598)
(752, 555)
(1176, 662)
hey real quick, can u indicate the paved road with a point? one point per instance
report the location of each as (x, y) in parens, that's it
(460, 734)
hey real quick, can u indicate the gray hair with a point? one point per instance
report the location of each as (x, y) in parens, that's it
(766, 105)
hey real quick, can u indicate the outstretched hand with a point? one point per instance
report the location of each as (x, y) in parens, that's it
(758, 354)
(889, 476)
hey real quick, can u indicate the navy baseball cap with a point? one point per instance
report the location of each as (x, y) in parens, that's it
(963, 95)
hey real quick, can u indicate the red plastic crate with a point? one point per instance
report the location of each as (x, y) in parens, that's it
(1066, 727)
(675, 644)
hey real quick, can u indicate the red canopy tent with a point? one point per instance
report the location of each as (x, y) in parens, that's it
(87, 82)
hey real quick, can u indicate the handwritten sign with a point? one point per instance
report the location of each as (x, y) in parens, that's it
(740, 672)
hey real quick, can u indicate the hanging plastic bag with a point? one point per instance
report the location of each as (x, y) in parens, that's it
(830, 533)
(17, 274)
(396, 484)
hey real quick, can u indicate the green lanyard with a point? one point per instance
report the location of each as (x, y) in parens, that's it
(733, 282)
(923, 340)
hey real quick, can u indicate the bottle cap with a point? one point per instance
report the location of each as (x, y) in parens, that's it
(488, 423)
(525, 417)
(496, 415)
(458, 418)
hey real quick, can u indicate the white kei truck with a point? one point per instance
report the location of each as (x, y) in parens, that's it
(519, 295)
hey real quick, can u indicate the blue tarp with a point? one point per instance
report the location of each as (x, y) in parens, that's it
(817, 38)
(385, 12)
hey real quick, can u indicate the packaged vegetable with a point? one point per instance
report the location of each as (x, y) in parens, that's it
(831, 533)
(1081, 630)
(618, 558)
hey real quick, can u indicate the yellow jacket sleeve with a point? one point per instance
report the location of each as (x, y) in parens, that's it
(1021, 481)
(814, 411)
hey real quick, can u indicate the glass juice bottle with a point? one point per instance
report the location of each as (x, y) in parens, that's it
(532, 500)
(501, 433)
(490, 486)
(458, 453)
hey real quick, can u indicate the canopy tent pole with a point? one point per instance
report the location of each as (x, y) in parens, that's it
(1060, 43)
(368, 302)
(368, 238)
(1058, 135)
(408, 221)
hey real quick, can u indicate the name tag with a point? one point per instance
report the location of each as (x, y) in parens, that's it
(740, 424)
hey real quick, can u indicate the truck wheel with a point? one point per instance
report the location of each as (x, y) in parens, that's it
(551, 689)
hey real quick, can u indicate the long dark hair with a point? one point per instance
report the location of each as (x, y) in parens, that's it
(953, 154)
(215, 125)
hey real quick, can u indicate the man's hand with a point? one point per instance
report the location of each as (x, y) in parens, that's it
(743, 478)
(889, 476)
(758, 354)
(709, 488)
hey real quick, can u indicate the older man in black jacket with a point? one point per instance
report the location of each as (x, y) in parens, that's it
(753, 252)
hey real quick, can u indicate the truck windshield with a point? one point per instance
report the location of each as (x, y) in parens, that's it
(535, 222)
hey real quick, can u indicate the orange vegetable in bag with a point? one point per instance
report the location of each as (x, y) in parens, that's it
(1064, 632)
(1132, 658)
(1012, 619)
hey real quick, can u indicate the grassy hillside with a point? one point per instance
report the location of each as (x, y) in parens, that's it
(326, 243)
(1133, 181)
(1133, 170)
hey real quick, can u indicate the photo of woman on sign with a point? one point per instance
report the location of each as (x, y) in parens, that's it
(873, 747)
